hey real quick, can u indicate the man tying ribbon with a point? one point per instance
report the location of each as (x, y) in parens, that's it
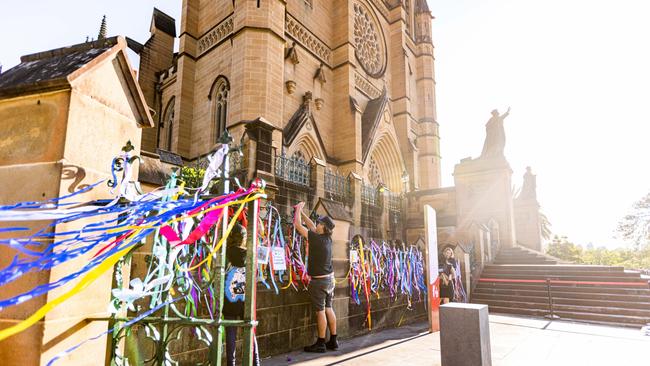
(319, 267)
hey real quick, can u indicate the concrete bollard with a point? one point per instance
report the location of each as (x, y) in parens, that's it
(465, 335)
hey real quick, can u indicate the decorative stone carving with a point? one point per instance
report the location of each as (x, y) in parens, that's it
(319, 102)
(374, 175)
(216, 35)
(307, 39)
(292, 54)
(369, 44)
(291, 86)
(320, 74)
(366, 87)
(306, 99)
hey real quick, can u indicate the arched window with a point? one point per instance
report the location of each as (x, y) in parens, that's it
(374, 176)
(167, 127)
(219, 96)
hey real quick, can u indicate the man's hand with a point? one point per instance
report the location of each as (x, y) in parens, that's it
(297, 222)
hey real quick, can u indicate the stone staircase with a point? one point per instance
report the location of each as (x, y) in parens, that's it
(521, 255)
(626, 303)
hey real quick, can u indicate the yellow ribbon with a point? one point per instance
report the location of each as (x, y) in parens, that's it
(85, 281)
(365, 283)
(231, 224)
(96, 272)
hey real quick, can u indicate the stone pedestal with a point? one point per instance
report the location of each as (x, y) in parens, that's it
(465, 335)
(484, 193)
(528, 223)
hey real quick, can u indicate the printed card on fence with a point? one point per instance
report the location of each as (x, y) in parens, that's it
(354, 256)
(262, 255)
(279, 263)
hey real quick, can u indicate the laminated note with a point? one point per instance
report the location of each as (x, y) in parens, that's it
(279, 262)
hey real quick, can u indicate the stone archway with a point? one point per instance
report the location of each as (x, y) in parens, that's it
(308, 147)
(388, 159)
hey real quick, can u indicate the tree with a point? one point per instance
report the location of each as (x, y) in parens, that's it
(635, 226)
(192, 176)
(562, 248)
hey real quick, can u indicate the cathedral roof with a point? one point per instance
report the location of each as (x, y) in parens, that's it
(163, 22)
(370, 119)
(302, 115)
(59, 69)
(49, 70)
(334, 209)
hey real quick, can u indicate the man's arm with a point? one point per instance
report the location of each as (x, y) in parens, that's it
(310, 224)
(297, 223)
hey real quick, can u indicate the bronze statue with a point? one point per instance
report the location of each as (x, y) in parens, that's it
(495, 138)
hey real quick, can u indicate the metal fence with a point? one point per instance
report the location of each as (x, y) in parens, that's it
(293, 169)
(369, 195)
(337, 187)
(394, 202)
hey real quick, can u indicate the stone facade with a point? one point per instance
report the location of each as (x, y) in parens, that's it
(68, 111)
(335, 103)
(344, 54)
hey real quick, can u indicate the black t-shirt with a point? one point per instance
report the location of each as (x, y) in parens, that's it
(320, 254)
(447, 265)
(237, 257)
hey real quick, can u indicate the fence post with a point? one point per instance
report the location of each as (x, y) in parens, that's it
(550, 315)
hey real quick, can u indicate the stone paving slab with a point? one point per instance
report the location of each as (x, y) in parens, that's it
(516, 341)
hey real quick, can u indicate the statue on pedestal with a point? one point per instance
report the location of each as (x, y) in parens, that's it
(529, 188)
(495, 135)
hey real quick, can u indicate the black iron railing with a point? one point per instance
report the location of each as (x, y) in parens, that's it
(394, 202)
(293, 169)
(369, 195)
(337, 187)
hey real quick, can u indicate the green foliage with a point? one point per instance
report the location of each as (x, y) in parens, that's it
(635, 226)
(192, 176)
(562, 248)
(630, 258)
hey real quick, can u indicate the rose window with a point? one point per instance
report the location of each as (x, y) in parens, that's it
(369, 45)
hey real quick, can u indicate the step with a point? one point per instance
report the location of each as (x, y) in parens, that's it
(549, 272)
(557, 266)
(602, 301)
(571, 277)
(526, 260)
(562, 294)
(522, 262)
(569, 288)
(532, 255)
(521, 254)
(625, 321)
(607, 311)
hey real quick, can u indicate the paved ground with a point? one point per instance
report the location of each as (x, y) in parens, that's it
(515, 341)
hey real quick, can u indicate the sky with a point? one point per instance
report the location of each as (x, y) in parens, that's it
(575, 73)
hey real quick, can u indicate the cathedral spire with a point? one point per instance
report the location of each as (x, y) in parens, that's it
(421, 6)
(102, 29)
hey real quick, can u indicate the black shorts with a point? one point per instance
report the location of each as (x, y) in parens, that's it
(447, 291)
(321, 291)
